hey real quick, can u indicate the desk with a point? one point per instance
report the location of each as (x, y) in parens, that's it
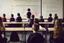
(47, 23)
(10, 29)
(15, 22)
(25, 29)
(14, 29)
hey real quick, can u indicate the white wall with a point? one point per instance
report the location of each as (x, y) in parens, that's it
(5, 7)
(52, 6)
(20, 6)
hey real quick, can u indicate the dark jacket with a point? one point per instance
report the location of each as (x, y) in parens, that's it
(36, 38)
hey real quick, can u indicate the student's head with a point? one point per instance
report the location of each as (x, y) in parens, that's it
(12, 15)
(56, 17)
(50, 14)
(18, 14)
(33, 16)
(55, 14)
(36, 21)
(41, 17)
(4, 15)
(29, 9)
(35, 26)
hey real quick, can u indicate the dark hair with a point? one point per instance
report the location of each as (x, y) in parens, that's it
(41, 17)
(12, 15)
(18, 14)
(4, 15)
(33, 16)
(50, 14)
(36, 24)
(59, 24)
(36, 27)
(36, 21)
(59, 28)
(28, 9)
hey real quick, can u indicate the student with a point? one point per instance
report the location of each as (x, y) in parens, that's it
(4, 18)
(55, 17)
(31, 21)
(18, 19)
(50, 18)
(2, 30)
(28, 13)
(35, 37)
(41, 20)
(58, 34)
(12, 19)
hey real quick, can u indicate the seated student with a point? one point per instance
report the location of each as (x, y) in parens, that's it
(56, 16)
(31, 21)
(19, 19)
(2, 30)
(50, 19)
(35, 37)
(4, 18)
(41, 20)
(12, 19)
(55, 20)
(58, 34)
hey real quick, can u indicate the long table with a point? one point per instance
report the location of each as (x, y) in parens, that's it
(25, 29)
(28, 22)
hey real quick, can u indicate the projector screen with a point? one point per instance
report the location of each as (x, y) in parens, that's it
(20, 6)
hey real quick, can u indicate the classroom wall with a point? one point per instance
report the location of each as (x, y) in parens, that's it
(20, 6)
(52, 6)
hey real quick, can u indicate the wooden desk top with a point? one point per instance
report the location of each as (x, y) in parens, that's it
(27, 23)
(26, 29)
(14, 29)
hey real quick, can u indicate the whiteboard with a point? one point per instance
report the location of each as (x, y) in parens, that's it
(53, 7)
(21, 6)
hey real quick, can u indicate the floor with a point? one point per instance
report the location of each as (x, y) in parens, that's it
(22, 37)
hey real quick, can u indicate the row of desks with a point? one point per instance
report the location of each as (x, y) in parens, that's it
(28, 23)
(26, 29)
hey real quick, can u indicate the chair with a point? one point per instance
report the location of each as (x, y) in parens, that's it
(36, 39)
